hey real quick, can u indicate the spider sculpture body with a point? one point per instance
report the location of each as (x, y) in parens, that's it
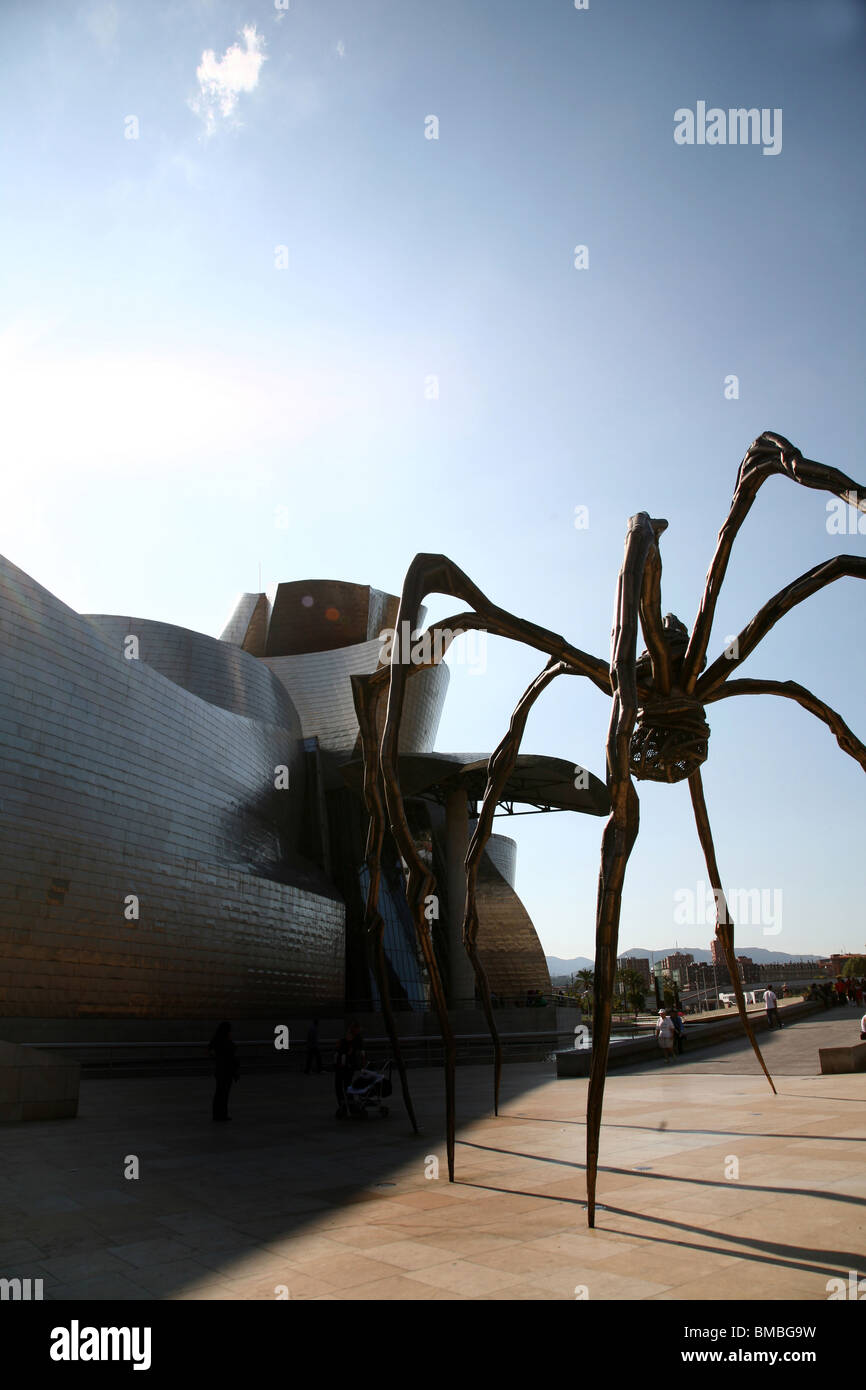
(658, 731)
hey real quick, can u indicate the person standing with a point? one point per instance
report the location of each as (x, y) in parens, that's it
(771, 1004)
(679, 1031)
(313, 1054)
(348, 1059)
(224, 1052)
(665, 1032)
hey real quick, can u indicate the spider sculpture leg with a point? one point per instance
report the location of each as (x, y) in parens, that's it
(790, 690)
(436, 574)
(366, 696)
(840, 567)
(621, 830)
(724, 924)
(769, 454)
(848, 742)
(499, 769)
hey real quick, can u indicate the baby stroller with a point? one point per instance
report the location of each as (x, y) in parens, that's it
(369, 1088)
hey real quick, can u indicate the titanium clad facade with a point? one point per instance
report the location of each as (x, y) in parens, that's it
(502, 852)
(321, 690)
(240, 620)
(508, 944)
(177, 839)
(315, 636)
(118, 783)
(215, 671)
(319, 615)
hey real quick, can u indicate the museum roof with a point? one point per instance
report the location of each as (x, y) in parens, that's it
(545, 783)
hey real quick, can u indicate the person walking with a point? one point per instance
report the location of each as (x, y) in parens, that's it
(313, 1055)
(224, 1052)
(771, 1004)
(665, 1032)
(679, 1031)
(348, 1058)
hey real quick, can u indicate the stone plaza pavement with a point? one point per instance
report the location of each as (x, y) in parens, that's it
(711, 1188)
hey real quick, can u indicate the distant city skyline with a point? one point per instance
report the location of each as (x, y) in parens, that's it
(702, 955)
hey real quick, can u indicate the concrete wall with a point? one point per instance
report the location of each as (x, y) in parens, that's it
(37, 1085)
(723, 1029)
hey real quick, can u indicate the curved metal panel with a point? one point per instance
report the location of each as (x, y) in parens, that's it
(147, 865)
(216, 671)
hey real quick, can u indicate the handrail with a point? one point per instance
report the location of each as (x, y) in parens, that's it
(538, 1035)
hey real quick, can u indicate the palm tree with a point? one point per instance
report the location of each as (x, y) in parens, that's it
(633, 988)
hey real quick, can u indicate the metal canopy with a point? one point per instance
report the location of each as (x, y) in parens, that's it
(546, 784)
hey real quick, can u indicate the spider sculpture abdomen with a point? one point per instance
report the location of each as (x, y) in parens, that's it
(670, 739)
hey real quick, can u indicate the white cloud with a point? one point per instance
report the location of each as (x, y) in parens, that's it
(101, 20)
(221, 80)
(201, 415)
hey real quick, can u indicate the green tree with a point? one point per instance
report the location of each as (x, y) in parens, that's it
(634, 989)
(587, 979)
(855, 966)
(670, 993)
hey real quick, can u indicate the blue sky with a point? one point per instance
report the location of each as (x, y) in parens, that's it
(178, 411)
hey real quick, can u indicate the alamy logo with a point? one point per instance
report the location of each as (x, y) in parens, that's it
(76, 1343)
(411, 647)
(20, 1290)
(855, 1289)
(738, 126)
(703, 906)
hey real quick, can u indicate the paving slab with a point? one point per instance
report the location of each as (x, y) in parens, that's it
(709, 1187)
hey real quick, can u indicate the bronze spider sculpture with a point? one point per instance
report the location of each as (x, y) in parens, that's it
(658, 731)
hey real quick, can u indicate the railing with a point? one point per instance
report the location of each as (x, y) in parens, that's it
(420, 1050)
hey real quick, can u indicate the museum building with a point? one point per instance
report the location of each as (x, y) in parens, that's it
(182, 831)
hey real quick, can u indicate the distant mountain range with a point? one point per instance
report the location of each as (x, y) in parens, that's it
(557, 966)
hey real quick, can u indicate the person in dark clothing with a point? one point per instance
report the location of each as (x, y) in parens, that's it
(313, 1053)
(224, 1054)
(348, 1059)
(679, 1031)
